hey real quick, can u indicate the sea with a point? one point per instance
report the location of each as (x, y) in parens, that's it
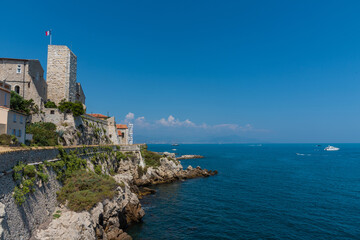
(262, 191)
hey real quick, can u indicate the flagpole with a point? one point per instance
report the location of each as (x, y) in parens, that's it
(50, 35)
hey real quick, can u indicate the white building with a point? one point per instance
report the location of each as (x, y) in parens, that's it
(123, 132)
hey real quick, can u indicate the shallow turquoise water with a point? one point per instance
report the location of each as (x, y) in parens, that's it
(261, 192)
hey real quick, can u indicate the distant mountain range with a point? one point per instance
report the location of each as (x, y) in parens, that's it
(200, 139)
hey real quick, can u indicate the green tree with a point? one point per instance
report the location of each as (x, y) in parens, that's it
(76, 108)
(65, 107)
(50, 104)
(18, 103)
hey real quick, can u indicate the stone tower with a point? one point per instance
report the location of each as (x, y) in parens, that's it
(61, 74)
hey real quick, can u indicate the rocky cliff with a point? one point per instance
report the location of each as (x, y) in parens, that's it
(110, 218)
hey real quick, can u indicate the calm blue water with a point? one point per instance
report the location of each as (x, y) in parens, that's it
(261, 192)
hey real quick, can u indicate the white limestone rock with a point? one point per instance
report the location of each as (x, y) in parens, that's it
(70, 225)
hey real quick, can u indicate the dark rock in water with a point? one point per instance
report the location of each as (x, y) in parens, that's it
(146, 191)
(117, 234)
(134, 213)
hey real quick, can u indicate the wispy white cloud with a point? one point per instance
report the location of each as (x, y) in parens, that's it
(129, 116)
(172, 122)
(141, 122)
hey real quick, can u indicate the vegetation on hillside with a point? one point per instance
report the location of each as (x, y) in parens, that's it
(152, 159)
(18, 103)
(44, 133)
(83, 190)
(26, 175)
(68, 164)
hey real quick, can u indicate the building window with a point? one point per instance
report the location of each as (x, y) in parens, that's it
(5, 100)
(52, 112)
(37, 76)
(14, 132)
(17, 89)
(19, 133)
(18, 69)
(14, 117)
(21, 119)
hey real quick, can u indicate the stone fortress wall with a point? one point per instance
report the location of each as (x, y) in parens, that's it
(38, 86)
(29, 81)
(72, 77)
(26, 77)
(61, 84)
(84, 129)
(18, 222)
(61, 74)
(80, 95)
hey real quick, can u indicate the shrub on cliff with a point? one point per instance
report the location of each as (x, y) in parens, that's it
(83, 190)
(18, 103)
(77, 109)
(68, 164)
(44, 133)
(152, 159)
(50, 104)
(26, 176)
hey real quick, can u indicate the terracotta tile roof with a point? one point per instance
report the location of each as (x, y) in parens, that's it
(98, 115)
(5, 107)
(121, 126)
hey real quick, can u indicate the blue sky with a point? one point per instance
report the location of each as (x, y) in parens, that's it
(206, 71)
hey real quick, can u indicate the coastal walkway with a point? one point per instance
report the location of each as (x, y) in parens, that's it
(5, 149)
(11, 156)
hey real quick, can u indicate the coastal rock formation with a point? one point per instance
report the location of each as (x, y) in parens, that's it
(109, 218)
(79, 131)
(170, 171)
(189, 157)
(70, 225)
(105, 221)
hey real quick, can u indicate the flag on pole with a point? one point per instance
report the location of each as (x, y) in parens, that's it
(48, 33)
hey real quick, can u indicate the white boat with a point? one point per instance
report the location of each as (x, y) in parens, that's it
(331, 148)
